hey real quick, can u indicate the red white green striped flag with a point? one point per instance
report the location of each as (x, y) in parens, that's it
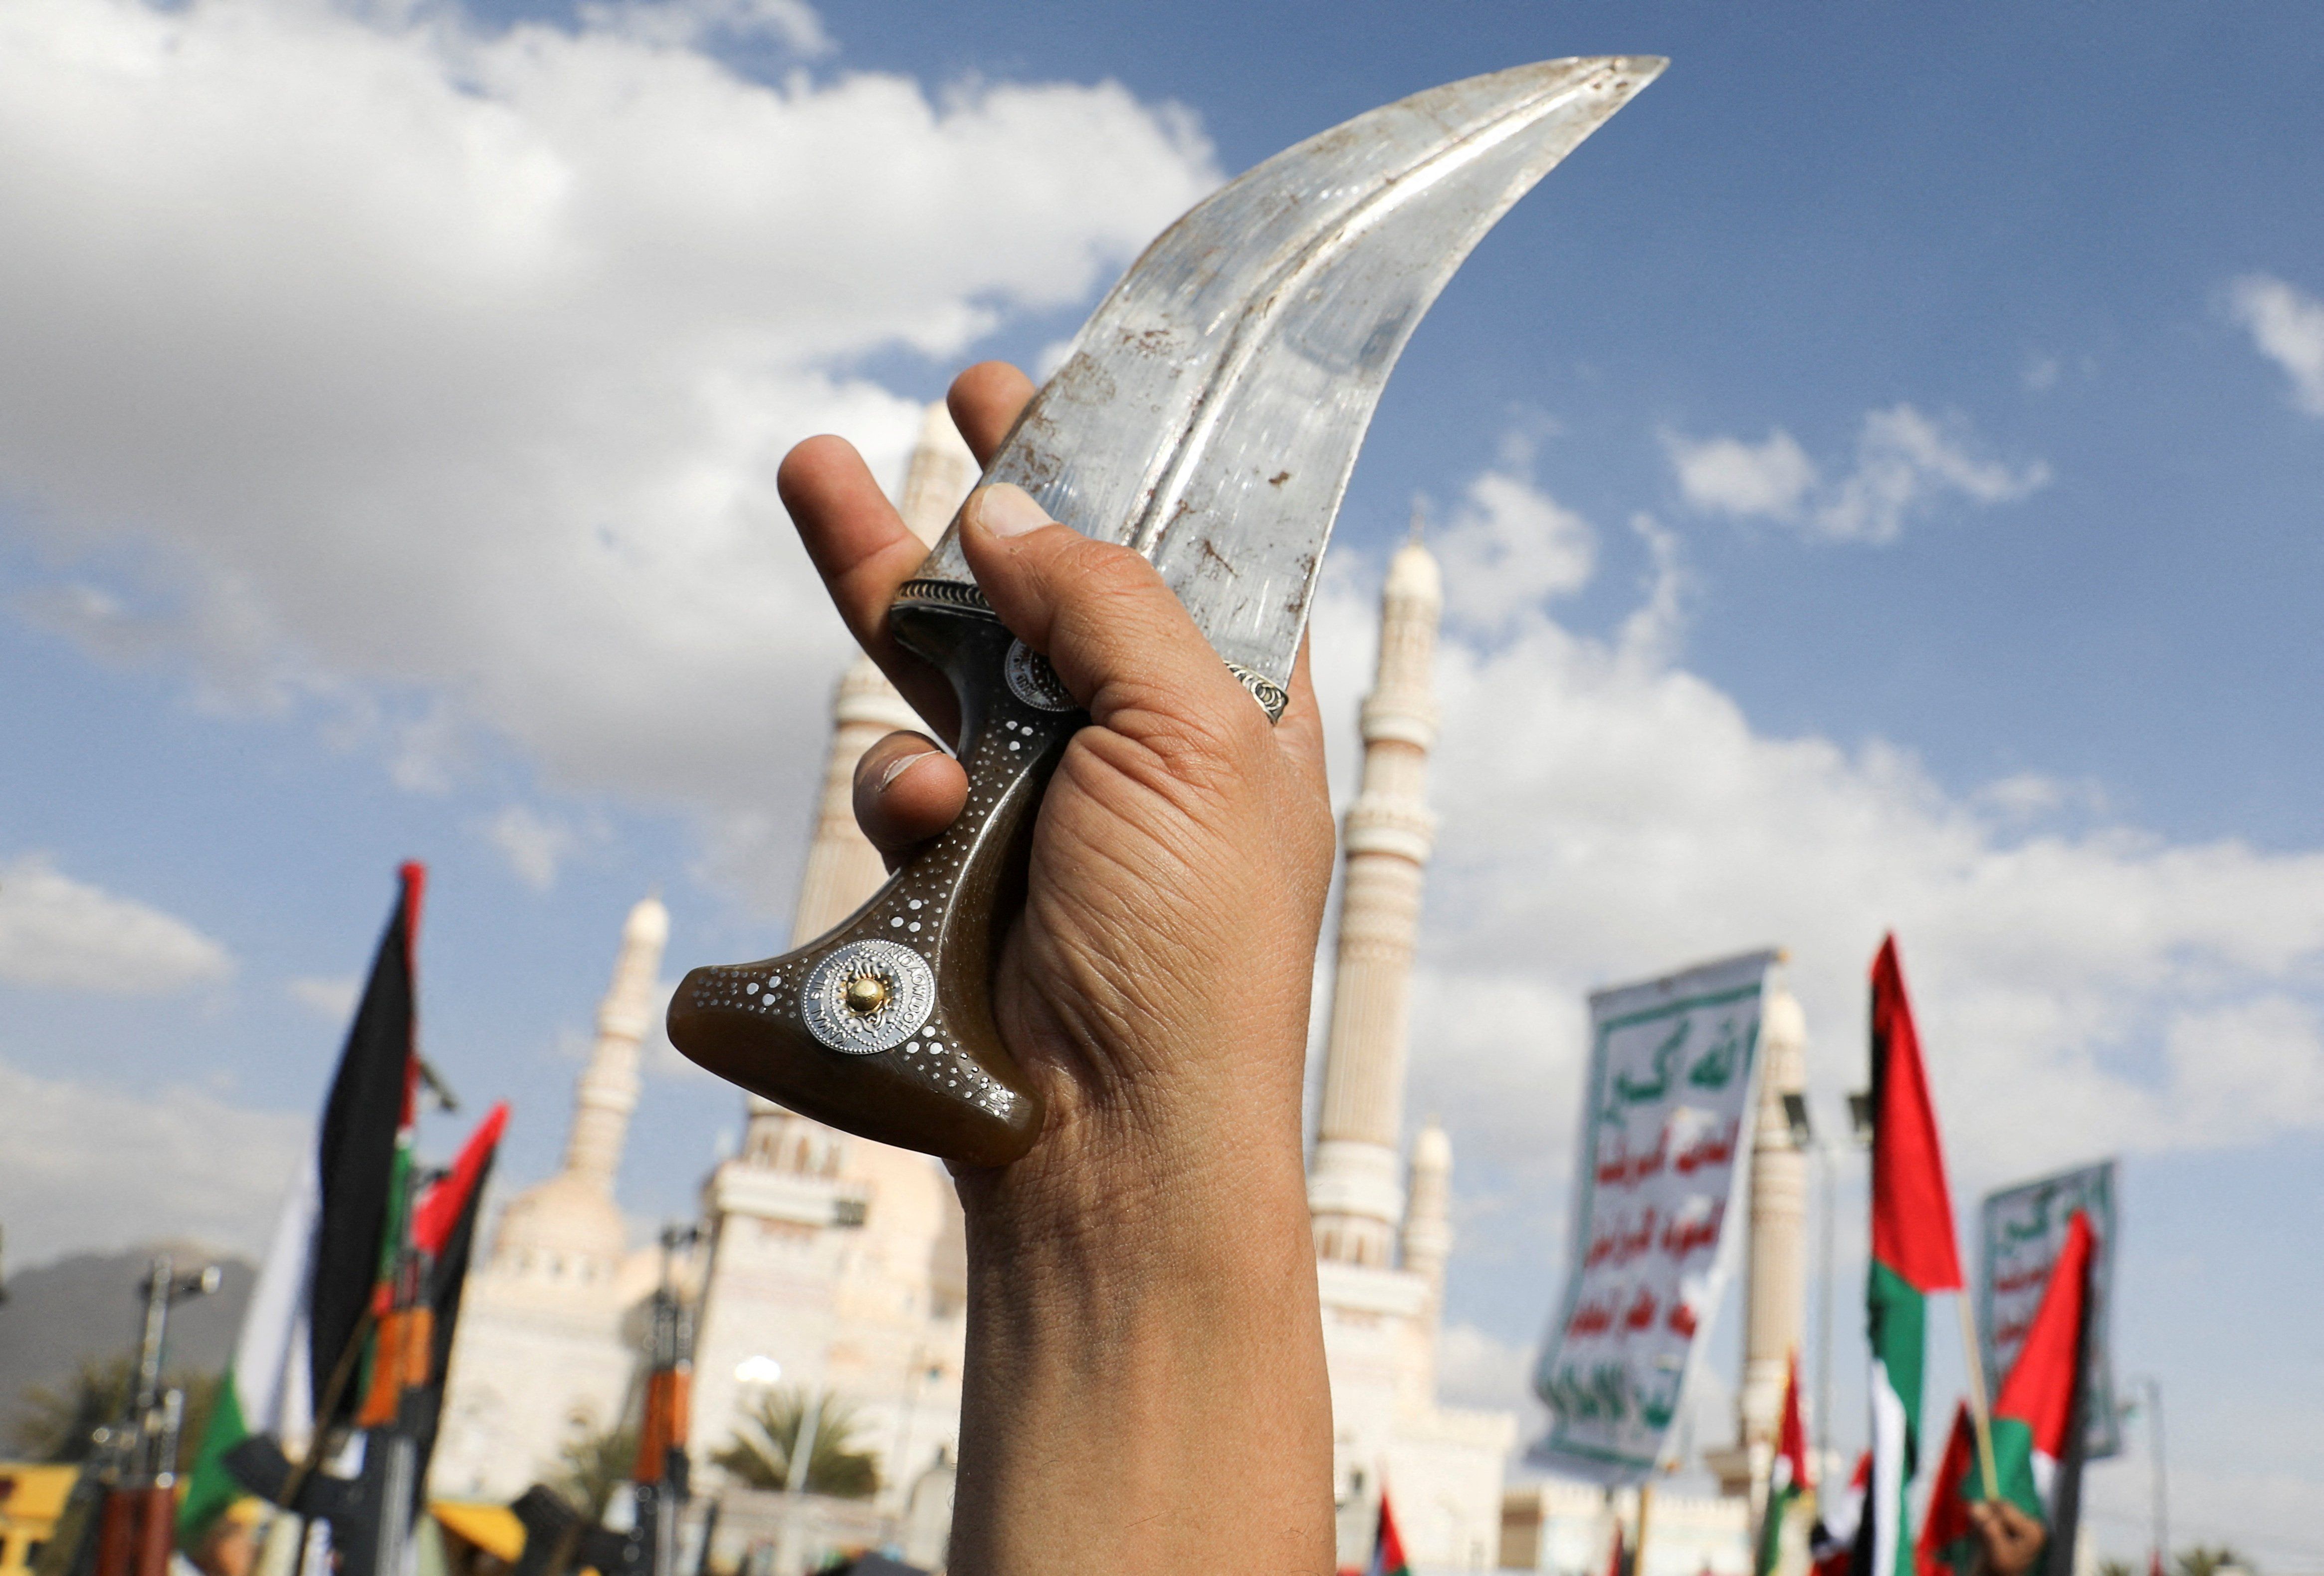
(1947, 1545)
(2033, 1417)
(1832, 1539)
(1388, 1549)
(1913, 1254)
(1787, 1477)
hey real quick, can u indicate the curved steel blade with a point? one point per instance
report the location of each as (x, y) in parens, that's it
(1210, 411)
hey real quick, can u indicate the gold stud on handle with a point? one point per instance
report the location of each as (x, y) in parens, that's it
(866, 994)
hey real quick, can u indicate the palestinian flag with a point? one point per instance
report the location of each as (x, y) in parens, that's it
(2036, 1443)
(1947, 1545)
(267, 1389)
(1388, 1549)
(444, 1230)
(1832, 1537)
(1787, 1477)
(322, 1262)
(1913, 1254)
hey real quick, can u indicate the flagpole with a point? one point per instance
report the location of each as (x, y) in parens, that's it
(1978, 1415)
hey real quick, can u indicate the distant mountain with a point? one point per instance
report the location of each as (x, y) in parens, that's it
(88, 1306)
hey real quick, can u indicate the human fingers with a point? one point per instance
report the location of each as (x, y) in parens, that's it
(984, 401)
(1300, 732)
(1120, 643)
(863, 551)
(2024, 1531)
(907, 790)
(2009, 1538)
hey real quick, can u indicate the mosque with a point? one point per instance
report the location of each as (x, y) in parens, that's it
(836, 1265)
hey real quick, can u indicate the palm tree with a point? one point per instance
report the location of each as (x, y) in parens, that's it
(60, 1422)
(760, 1453)
(592, 1463)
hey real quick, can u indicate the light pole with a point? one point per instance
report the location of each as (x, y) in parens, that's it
(2159, 1561)
(1828, 1154)
(786, 1551)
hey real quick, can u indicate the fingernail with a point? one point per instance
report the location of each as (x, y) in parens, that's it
(1005, 509)
(901, 765)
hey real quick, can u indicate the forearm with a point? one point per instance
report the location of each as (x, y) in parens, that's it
(1145, 1388)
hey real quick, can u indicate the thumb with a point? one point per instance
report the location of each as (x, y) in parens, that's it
(1119, 641)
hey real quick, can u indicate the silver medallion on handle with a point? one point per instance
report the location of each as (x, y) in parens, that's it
(907, 991)
(1032, 681)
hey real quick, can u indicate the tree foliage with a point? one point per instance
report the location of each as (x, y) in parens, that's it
(759, 1452)
(592, 1463)
(2199, 1561)
(59, 1423)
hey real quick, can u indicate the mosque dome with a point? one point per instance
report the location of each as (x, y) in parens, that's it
(565, 1228)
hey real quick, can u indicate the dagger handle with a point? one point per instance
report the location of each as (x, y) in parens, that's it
(884, 1027)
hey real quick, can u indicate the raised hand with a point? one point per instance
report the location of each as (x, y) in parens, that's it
(1145, 1345)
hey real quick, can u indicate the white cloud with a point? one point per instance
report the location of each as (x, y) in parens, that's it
(2287, 326)
(1727, 476)
(2228, 1063)
(534, 844)
(330, 998)
(2084, 987)
(456, 413)
(1476, 1367)
(203, 1170)
(66, 935)
(690, 23)
(1509, 547)
(1905, 462)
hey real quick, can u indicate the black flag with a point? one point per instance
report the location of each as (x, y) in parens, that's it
(370, 1106)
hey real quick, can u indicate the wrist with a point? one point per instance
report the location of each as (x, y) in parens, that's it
(1145, 1358)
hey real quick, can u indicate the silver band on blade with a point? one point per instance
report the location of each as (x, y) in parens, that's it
(1271, 696)
(951, 594)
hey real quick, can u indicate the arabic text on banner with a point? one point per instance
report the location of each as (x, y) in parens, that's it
(2024, 1227)
(1666, 1123)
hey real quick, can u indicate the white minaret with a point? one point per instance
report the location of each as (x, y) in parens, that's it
(843, 868)
(608, 1091)
(572, 1216)
(1353, 1190)
(1776, 1289)
(539, 1351)
(1427, 1244)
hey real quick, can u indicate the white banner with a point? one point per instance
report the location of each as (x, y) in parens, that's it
(1665, 1128)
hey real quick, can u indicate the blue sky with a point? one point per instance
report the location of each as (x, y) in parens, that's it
(1879, 478)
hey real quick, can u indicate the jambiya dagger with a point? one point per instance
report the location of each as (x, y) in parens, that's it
(1207, 415)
